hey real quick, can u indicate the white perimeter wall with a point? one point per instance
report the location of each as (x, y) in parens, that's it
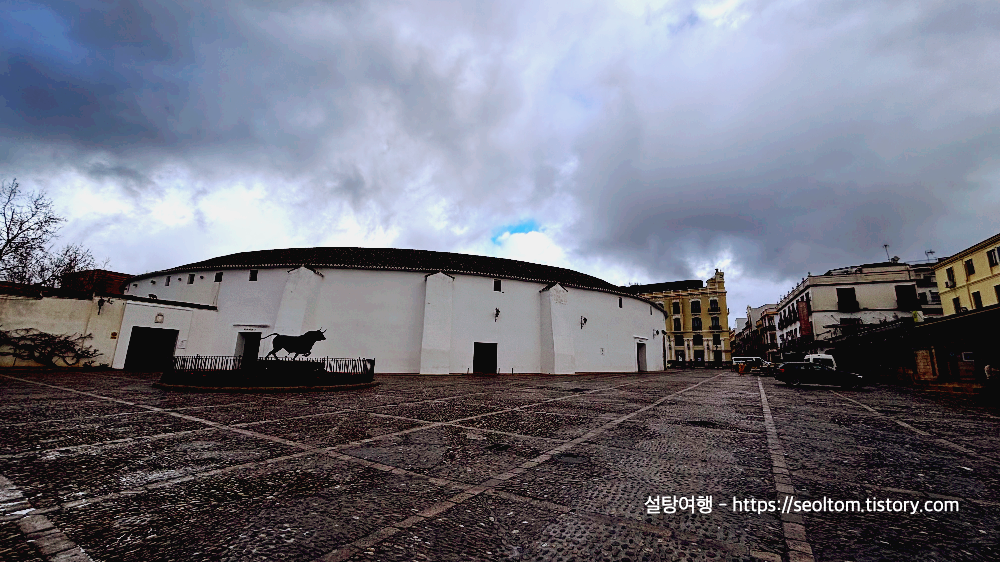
(62, 316)
(381, 314)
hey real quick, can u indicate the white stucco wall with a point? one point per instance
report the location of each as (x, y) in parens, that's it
(410, 322)
(65, 316)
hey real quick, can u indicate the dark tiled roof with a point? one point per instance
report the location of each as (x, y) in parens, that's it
(667, 286)
(37, 291)
(401, 260)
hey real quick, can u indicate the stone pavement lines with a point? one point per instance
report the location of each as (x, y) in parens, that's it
(867, 486)
(426, 400)
(239, 430)
(611, 520)
(76, 419)
(588, 443)
(793, 526)
(272, 420)
(938, 440)
(160, 484)
(372, 539)
(48, 539)
(110, 443)
(120, 414)
(470, 428)
(346, 551)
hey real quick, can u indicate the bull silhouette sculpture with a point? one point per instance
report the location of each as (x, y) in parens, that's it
(299, 345)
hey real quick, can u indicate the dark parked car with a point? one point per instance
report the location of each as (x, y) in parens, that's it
(813, 373)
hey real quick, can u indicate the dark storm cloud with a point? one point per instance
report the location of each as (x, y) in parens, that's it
(659, 139)
(821, 168)
(82, 71)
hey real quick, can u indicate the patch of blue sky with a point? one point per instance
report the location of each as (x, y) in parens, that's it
(690, 21)
(41, 31)
(522, 227)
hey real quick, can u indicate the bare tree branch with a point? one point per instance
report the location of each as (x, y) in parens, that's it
(29, 226)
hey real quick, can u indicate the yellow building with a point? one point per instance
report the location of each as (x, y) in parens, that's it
(697, 321)
(970, 279)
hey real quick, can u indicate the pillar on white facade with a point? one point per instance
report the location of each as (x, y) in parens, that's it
(301, 289)
(558, 355)
(435, 345)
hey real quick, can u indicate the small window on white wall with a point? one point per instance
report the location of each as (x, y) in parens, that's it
(619, 302)
(166, 282)
(496, 285)
(190, 278)
(253, 274)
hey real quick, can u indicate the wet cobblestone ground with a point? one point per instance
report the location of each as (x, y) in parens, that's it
(104, 467)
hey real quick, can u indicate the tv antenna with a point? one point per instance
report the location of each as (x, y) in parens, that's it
(886, 246)
(929, 253)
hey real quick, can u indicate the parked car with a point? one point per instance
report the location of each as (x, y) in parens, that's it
(822, 359)
(797, 373)
(767, 369)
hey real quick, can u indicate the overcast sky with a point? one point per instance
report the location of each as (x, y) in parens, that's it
(635, 141)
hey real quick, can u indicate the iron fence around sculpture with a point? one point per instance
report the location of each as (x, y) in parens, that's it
(239, 371)
(340, 365)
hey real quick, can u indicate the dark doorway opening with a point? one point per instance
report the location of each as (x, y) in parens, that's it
(484, 357)
(248, 348)
(640, 357)
(150, 349)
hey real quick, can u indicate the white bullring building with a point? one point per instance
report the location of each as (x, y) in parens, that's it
(414, 311)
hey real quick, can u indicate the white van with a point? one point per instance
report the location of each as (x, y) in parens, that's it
(822, 359)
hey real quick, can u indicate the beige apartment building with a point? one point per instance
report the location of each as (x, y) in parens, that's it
(840, 301)
(970, 279)
(697, 319)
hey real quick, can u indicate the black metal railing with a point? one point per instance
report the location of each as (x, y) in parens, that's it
(208, 363)
(347, 366)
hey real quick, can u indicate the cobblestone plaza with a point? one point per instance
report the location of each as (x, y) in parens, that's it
(102, 467)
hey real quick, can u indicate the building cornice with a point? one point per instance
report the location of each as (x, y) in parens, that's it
(985, 244)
